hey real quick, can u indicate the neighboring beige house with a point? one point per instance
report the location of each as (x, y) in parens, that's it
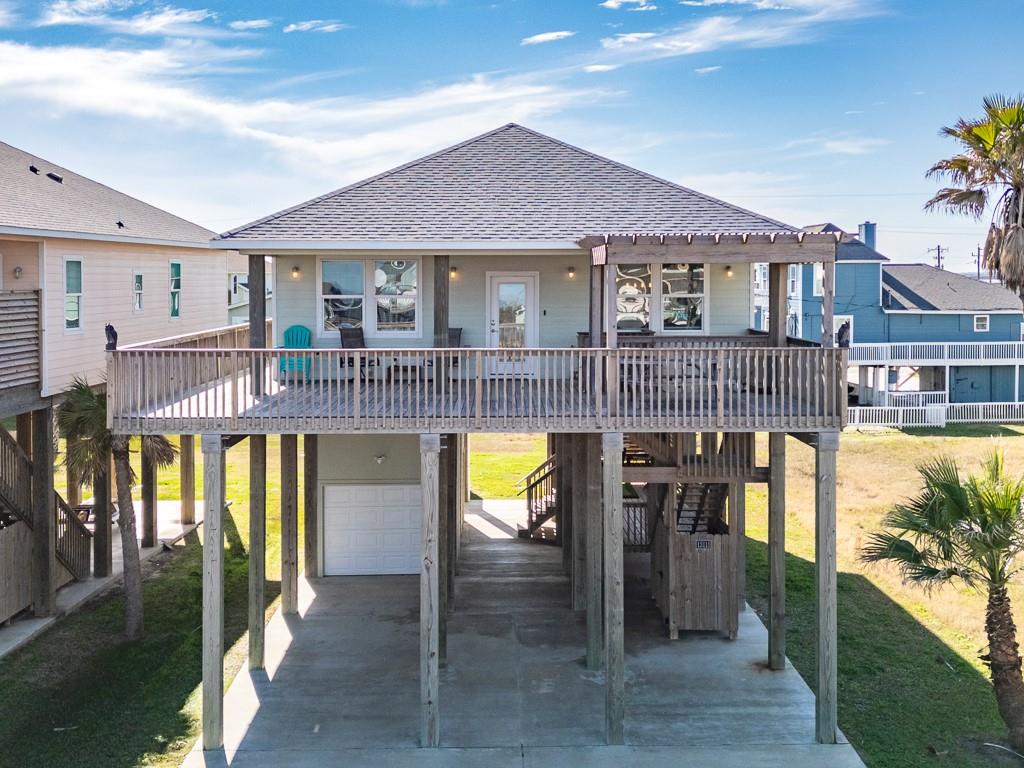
(76, 255)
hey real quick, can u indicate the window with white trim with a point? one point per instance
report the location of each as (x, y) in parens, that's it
(818, 270)
(72, 294)
(395, 292)
(175, 289)
(137, 293)
(682, 297)
(981, 323)
(341, 294)
(633, 293)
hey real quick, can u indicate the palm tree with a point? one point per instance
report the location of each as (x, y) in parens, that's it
(970, 531)
(82, 417)
(989, 169)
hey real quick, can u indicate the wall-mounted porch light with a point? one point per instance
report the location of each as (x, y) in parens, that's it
(728, 270)
(18, 272)
(453, 273)
(296, 272)
(571, 272)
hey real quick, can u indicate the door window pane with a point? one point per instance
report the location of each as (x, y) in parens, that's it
(512, 315)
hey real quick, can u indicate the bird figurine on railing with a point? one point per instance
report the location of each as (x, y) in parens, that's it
(111, 337)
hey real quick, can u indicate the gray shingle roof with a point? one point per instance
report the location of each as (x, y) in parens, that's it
(34, 201)
(923, 287)
(850, 247)
(511, 184)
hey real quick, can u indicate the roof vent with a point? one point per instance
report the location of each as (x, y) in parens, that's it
(120, 225)
(34, 169)
(56, 177)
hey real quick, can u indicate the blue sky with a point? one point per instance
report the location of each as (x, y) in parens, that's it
(805, 110)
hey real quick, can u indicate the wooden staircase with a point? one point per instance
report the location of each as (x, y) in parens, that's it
(541, 502)
(700, 508)
(74, 540)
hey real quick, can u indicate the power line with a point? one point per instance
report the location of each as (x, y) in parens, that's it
(937, 250)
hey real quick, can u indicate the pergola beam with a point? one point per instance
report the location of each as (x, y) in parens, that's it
(716, 248)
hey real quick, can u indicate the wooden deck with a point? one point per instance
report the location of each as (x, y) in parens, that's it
(590, 390)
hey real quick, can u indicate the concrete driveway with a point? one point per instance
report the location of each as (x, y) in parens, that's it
(342, 679)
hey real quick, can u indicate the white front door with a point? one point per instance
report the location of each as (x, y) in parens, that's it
(511, 318)
(371, 529)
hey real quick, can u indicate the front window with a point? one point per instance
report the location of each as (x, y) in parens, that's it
(175, 294)
(819, 279)
(72, 294)
(633, 286)
(395, 287)
(981, 323)
(137, 295)
(682, 297)
(341, 294)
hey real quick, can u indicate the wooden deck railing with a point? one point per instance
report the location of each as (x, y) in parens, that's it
(155, 391)
(225, 337)
(938, 353)
(19, 338)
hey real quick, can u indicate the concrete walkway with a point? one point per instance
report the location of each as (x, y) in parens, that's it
(73, 595)
(342, 679)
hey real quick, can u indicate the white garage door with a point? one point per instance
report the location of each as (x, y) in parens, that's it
(371, 529)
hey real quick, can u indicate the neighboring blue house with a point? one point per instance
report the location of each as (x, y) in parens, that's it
(918, 335)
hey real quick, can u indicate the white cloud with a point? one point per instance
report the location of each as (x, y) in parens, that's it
(344, 138)
(244, 25)
(600, 67)
(315, 25)
(740, 31)
(760, 5)
(7, 14)
(164, 20)
(707, 70)
(839, 145)
(629, 5)
(546, 37)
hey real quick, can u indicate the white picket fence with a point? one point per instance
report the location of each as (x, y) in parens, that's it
(866, 417)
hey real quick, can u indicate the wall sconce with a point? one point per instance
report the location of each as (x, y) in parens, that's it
(453, 273)
(380, 459)
(18, 272)
(572, 273)
(728, 270)
(296, 273)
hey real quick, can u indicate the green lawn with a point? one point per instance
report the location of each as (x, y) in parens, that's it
(912, 689)
(499, 461)
(80, 696)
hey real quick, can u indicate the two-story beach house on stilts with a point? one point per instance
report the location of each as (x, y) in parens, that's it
(75, 256)
(510, 283)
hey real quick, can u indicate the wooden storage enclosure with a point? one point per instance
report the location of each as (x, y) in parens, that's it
(694, 561)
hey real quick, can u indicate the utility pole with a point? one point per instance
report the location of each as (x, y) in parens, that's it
(977, 259)
(937, 250)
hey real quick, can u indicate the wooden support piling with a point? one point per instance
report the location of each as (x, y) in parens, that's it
(430, 731)
(777, 551)
(594, 553)
(147, 479)
(257, 548)
(213, 592)
(44, 530)
(289, 524)
(614, 625)
(580, 498)
(826, 725)
(187, 470)
(311, 505)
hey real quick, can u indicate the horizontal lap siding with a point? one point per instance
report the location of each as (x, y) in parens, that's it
(107, 270)
(729, 299)
(16, 254)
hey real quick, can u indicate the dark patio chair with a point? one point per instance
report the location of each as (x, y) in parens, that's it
(352, 338)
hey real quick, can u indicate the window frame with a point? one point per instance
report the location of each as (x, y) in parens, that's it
(817, 279)
(81, 291)
(988, 323)
(138, 292)
(369, 297)
(656, 323)
(171, 290)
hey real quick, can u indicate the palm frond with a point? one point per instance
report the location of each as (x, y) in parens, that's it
(968, 202)
(158, 449)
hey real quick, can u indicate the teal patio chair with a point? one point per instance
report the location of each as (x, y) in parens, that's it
(296, 337)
